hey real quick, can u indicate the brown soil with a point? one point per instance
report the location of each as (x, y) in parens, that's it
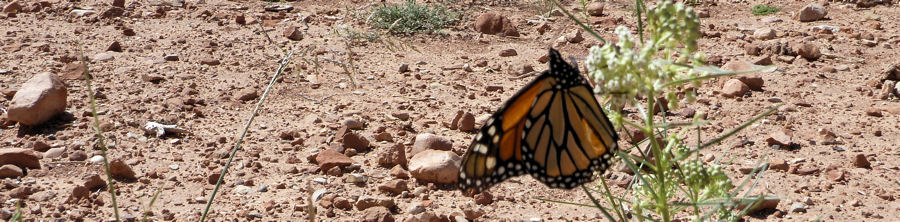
(312, 103)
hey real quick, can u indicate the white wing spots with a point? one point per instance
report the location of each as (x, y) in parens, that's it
(489, 122)
(462, 175)
(492, 130)
(527, 124)
(490, 162)
(478, 137)
(501, 170)
(496, 139)
(480, 148)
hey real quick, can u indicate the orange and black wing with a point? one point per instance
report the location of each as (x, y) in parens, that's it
(553, 129)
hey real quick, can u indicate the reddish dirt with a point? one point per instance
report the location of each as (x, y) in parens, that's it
(312, 104)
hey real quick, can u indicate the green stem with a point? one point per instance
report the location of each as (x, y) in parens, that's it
(102, 144)
(659, 160)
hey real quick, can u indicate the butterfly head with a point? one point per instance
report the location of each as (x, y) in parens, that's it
(561, 69)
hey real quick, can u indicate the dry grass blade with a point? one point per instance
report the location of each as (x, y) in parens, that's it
(100, 141)
(285, 61)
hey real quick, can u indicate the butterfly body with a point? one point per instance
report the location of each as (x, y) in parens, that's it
(553, 129)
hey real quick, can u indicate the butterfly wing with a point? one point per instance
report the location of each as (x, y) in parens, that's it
(553, 129)
(496, 154)
(567, 138)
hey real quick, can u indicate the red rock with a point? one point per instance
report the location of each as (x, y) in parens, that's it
(79, 192)
(120, 170)
(78, 155)
(754, 82)
(40, 146)
(366, 202)
(377, 214)
(762, 205)
(93, 182)
(112, 12)
(293, 33)
(876, 112)
(508, 53)
(779, 137)
(39, 99)
(779, 165)
(240, 19)
(171, 57)
(210, 61)
(10, 171)
(394, 187)
(809, 51)
(54, 152)
(396, 155)
(355, 140)
(835, 175)
(12, 7)
(484, 198)
(427, 141)
(435, 166)
(342, 203)
(575, 36)
(861, 161)
(399, 173)
(734, 88)
(247, 94)
(20, 157)
(330, 158)
(115, 46)
(595, 9)
(384, 136)
(213, 178)
(493, 23)
(467, 122)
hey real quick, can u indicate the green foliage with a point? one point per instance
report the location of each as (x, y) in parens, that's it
(410, 18)
(669, 177)
(765, 10)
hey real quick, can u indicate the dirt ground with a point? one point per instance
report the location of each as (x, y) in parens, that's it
(272, 178)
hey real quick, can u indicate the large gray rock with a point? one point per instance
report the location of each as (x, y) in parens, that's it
(812, 12)
(40, 98)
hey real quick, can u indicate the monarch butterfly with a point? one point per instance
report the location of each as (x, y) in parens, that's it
(553, 129)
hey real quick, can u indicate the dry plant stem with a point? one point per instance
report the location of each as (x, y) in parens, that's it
(237, 145)
(102, 144)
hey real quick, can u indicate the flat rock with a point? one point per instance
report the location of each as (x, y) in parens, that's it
(10, 171)
(394, 187)
(428, 141)
(435, 166)
(366, 202)
(22, 158)
(779, 137)
(330, 158)
(53, 153)
(39, 99)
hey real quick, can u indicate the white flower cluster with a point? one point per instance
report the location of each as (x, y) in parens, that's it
(623, 72)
